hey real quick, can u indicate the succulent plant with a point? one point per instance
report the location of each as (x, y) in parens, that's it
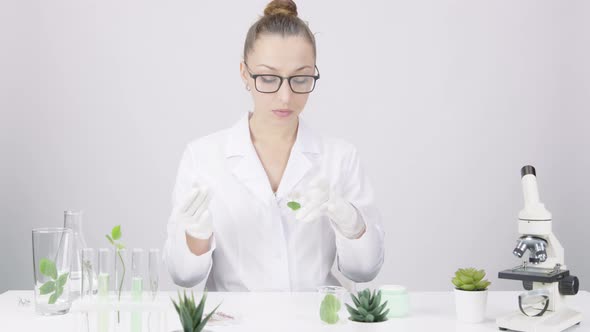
(191, 316)
(470, 279)
(368, 307)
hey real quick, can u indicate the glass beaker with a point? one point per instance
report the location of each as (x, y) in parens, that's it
(52, 253)
(331, 304)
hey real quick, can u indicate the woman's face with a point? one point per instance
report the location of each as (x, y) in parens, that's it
(283, 56)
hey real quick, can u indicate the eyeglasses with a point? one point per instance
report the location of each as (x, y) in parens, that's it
(272, 83)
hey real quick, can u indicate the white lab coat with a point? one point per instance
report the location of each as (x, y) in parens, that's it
(257, 244)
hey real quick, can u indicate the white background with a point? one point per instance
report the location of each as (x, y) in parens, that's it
(445, 100)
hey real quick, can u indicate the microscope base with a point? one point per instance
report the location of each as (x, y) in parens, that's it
(551, 321)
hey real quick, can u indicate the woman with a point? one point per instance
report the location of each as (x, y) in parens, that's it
(231, 222)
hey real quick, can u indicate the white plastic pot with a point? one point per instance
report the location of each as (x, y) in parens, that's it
(471, 305)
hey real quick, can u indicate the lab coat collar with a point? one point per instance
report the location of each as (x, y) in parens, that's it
(249, 169)
(239, 141)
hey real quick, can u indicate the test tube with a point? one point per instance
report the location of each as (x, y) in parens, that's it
(137, 277)
(89, 266)
(154, 271)
(104, 269)
(104, 259)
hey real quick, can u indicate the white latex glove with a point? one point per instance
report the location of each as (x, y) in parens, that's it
(194, 214)
(319, 200)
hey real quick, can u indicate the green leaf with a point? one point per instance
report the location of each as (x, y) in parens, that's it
(379, 309)
(47, 288)
(119, 246)
(466, 279)
(175, 306)
(351, 310)
(59, 290)
(477, 276)
(61, 281)
(355, 300)
(116, 232)
(201, 307)
(363, 311)
(47, 268)
(468, 287)
(367, 293)
(110, 239)
(382, 317)
(294, 205)
(482, 285)
(457, 282)
(376, 301)
(186, 319)
(469, 272)
(364, 302)
(52, 298)
(206, 319)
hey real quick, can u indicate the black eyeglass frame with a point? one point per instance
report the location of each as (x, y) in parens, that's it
(289, 78)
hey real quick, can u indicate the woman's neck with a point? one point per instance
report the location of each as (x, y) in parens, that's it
(265, 133)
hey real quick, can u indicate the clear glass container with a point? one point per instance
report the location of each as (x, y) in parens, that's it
(331, 307)
(398, 301)
(73, 221)
(51, 267)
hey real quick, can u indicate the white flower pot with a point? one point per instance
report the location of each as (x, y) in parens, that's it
(471, 305)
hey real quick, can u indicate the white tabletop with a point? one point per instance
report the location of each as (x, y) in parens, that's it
(430, 311)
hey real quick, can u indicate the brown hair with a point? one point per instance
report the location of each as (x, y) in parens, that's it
(280, 17)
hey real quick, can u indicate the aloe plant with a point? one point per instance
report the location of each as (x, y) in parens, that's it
(369, 308)
(470, 279)
(191, 315)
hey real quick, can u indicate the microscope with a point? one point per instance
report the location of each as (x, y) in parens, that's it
(544, 275)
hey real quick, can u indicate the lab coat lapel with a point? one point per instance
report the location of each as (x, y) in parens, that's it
(249, 170)
(247, 167)
(300, 160)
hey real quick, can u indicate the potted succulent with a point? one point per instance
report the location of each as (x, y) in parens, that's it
(471, 293)
(368, 307)
(191, 315)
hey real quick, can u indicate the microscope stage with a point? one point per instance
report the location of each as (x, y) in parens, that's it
(533, 274)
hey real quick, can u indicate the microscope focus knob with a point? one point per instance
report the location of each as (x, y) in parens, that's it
(528, 285)
(569, 285)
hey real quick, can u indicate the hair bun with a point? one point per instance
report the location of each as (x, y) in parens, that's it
(281, 7)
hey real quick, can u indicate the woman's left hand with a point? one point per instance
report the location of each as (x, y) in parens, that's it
(319, 200)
